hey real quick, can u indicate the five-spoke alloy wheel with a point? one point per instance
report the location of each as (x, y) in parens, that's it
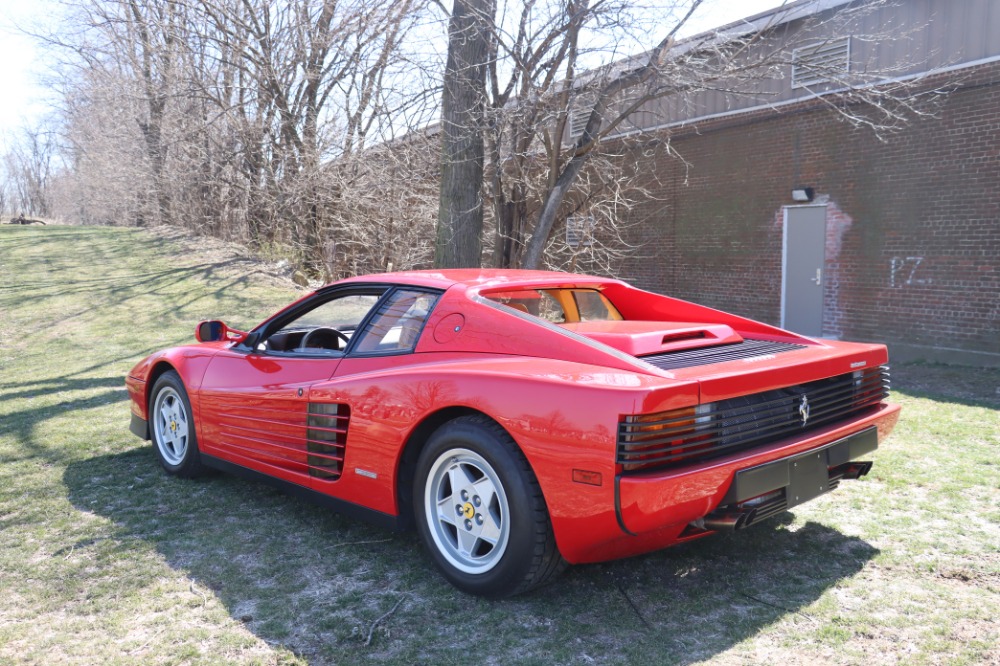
(480, 510)
(468, 512)
(172, 427)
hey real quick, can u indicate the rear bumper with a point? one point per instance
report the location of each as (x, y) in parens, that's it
(651, 502)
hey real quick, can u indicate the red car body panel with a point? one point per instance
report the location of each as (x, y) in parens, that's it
(560, 394)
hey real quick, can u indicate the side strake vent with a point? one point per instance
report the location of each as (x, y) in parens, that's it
(695, 434)
(690, 358)
(326, 438)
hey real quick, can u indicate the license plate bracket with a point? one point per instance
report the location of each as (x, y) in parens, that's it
(803, 476)
(808, 478)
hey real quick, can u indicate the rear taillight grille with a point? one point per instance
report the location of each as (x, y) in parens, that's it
(695, 434)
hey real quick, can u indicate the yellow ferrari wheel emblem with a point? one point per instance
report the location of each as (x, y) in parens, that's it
(467, 510)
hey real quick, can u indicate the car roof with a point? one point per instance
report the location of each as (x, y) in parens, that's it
(480, 278)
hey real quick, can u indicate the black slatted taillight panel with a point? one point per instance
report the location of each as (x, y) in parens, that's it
(690, 358)
(695, 434)
(326, 439)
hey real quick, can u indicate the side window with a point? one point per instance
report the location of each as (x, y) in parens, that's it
(328, 327)
(396, 325)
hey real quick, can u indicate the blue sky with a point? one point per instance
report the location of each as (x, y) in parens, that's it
(24, 99)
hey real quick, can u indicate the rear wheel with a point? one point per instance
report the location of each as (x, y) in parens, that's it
(172, 428)
(480, 511)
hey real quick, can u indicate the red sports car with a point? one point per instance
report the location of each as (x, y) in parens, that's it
(521, 420)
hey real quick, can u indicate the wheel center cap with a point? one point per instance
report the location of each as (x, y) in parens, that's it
(468, 510)
(173, 426)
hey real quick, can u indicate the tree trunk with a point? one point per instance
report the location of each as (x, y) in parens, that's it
(152, 132)
(460, 212)
(547, 217)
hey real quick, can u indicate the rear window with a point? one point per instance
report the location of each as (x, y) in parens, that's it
(559, 306)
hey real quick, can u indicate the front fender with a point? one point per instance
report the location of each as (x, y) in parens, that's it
(189, 361)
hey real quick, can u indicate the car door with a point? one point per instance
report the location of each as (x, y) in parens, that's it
(356, 411)
(254, 401)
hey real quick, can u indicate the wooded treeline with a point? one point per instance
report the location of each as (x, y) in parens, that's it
(252, 120)
(309, 128)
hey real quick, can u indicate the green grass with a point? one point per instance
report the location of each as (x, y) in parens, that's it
(104, 559)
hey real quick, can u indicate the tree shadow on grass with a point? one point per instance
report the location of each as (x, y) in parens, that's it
(51, 386)
(334, 589)
(116, 290)
(959, 385)
(22, 423)
(177, 286)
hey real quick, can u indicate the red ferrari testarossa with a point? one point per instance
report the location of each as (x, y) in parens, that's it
(519, 420)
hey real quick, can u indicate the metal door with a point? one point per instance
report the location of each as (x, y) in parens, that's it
(802, 269)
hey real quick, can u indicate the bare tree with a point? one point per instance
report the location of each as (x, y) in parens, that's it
(301, 83)
(28, 168)
(534, 60)
(4, 190)
(537, 56)
(460, 218)
(381, 207)
(277, 122)
(562, 92)
(607, 94)
(222, 115)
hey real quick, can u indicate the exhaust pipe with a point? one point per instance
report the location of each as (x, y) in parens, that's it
(852, 470)
(728, 521)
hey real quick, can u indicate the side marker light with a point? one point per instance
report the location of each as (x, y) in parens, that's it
(587, 477)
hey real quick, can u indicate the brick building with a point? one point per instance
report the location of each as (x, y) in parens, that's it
(783, 212)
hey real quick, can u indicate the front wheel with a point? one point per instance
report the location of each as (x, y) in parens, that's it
(173, 427)
(480, 511)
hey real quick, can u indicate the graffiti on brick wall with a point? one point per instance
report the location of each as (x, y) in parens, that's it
(905, 272)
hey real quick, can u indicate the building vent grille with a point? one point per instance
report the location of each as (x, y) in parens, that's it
(580, 231)
(821, 63)
(578, 118)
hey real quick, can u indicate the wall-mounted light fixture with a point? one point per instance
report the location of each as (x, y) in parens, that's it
(803, 194)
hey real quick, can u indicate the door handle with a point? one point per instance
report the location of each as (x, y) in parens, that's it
(819, 276)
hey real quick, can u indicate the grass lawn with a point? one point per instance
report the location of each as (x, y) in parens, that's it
(104, 559)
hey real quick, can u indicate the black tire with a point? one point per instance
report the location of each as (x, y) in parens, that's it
(495, 537)
(171, 427)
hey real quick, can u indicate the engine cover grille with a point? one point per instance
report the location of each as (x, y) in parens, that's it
(690, 358)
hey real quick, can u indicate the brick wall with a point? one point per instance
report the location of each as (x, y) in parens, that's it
(913, 223)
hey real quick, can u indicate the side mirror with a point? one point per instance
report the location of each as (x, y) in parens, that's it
(215, 330)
